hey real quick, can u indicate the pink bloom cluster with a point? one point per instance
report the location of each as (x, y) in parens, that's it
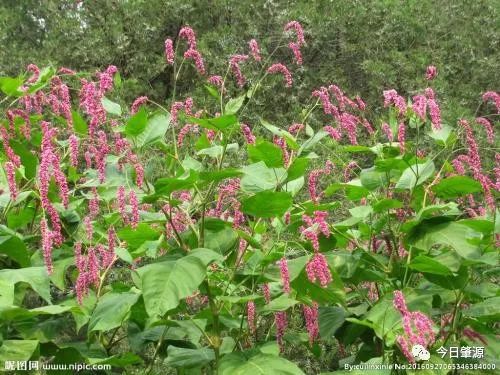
(281, 143)
(254, 50)
(418, 328)
(300, 41)
(312, 323)
(234, 63)
(247, 133)
(314, 226)
(317, 269)
(138, 102)
(285, 276)
(280, 68)
(473, 159)
(89, 266)
(347, 121)
(313, 180)
(281, 324)
(391, 97)
(251, 317)
(492, 96)
(431, 72)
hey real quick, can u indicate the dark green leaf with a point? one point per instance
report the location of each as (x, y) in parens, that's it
(267, 204)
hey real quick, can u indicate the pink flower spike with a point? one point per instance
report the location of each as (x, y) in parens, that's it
(73, 150)
(255, 50)
(493, 96)
(280, 68)
(388, 131)
(285, 277)
(295, 47)
(234, 63)
(169, 51)
(10, 170)
(32, 68)
(431, 73)
(247, 133)
(490, 135)
(192, 54)
(299, 31)
(187, 33)
(138, 102)
(251, 317)
(216, 81)
(312, 323)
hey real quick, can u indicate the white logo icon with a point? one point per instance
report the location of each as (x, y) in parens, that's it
(420, 353)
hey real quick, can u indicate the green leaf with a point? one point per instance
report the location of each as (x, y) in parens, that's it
(15, 248)
(330, 320)
(233, 105)
(290, 139)
(165, 284)
(267, 152)
(17, 350)
(281, 303)
(28, 160)
(427, 264)
(187, 358)
(258, 177)
(217, 176)
(112, 310)
(311, 142)
(452, 234)
(136, 237)
(154, 131)
(111, 107)
(353, 190)
(260, 364)
(36, 277)
(137, 123)
(387, 204)
(221, 123)
(10, 86)
(456, 186)
(167, 185)
(489, 308)
(267, 204)
(415, 175)
(297, 168)
(372, 179)
(79, 123)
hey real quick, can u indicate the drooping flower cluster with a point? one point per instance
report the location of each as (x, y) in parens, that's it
(299, 42)
(418, 328)
(247, 133)
(251, 316)
(313, 180)
(312, 322)
(234, 63)
(254, 50)
(494, 97)
(473, 159)
(317, 269)
(343, 113)
(98, 258)
(281, 321)
(431, 73)
(280, 68)
(285, 276)
(314, 226)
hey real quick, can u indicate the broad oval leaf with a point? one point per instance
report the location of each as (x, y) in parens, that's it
(267, 204)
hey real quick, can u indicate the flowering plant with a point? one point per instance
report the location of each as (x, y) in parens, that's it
(254, 240)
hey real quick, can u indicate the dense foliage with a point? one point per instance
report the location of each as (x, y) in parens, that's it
(363, 46)
(207, 238)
